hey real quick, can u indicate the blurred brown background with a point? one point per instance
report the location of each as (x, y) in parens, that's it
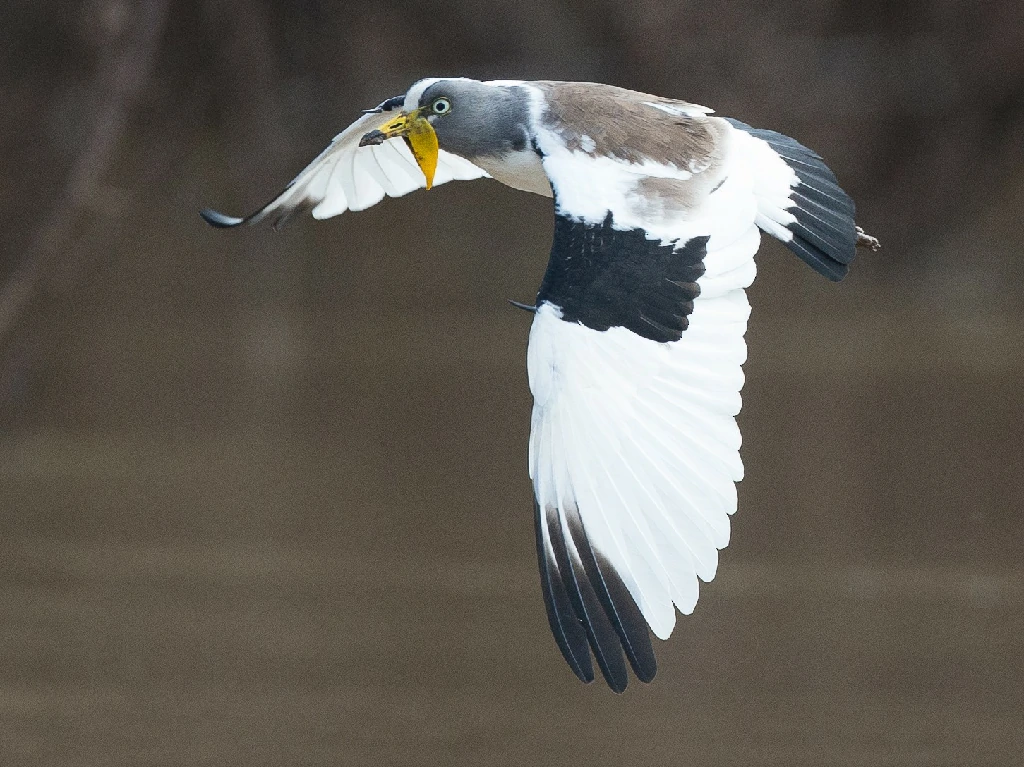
(264, 496)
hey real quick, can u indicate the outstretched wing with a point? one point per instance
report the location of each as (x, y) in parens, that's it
(346, 176)
(800, 201)
(635, 367)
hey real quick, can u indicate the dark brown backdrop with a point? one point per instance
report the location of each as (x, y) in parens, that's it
(264, 496)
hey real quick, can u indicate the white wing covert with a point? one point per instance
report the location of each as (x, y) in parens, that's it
(346, 176)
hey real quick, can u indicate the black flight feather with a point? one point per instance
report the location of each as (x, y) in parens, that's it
(622, 611)
(565, 626)
(219, 220)
(824, 233)
(602, 638)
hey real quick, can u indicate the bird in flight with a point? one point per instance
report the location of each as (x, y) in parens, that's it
(636, 346)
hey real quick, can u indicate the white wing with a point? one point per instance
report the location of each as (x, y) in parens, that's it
(634, 448)
(346, 176)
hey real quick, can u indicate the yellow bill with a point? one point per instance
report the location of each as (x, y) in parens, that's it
(419, 137)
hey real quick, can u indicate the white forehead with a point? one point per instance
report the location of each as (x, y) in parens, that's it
(415, 93)
(412, 96)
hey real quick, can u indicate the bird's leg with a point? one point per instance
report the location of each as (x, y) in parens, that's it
(865, 240)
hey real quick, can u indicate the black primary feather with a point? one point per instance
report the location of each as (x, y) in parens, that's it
(824, 233)
(219, 220)
(565, 626)
(618, 603)
(602, 638)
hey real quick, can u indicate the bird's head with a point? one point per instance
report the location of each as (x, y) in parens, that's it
(468, 118)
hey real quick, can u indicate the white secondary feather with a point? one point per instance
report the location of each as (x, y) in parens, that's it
(346, 176)
(641, 436)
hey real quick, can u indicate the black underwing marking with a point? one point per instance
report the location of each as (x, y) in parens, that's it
(565, 626)
(605, 277)
(824, 233)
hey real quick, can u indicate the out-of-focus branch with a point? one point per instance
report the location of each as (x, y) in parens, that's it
(119, 83)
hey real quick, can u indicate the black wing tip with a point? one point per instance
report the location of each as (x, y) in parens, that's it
(604, 644)
(627, 620)
(219, 220)
(824, 234)
(588, 604)
(565, 627)
(838, 275)
(822, 247)
(826, 262)
(820, 261)
(615, 686)
(646, 675)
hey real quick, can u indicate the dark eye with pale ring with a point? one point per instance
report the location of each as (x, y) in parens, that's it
(441, 106)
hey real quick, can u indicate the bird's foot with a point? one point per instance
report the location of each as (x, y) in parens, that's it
(865, 240)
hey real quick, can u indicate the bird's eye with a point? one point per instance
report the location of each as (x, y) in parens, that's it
(441, 106)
